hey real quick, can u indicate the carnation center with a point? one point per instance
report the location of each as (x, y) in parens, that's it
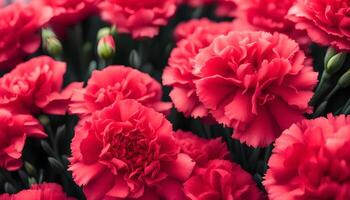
(133, 148)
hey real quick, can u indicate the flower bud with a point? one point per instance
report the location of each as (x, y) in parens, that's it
(344, 80)
(50, 42)
(329, 54)
(106, 31)
(335, 63)
(106, 47)
(30, 168)
(53, 46)
(47, 33)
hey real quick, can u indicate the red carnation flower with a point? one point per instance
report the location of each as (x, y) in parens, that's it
(14, 130)
(270, 16)
(200, 33)
(327, 22)
(255, 82)
(19, 30)
(140, 18)
(221, 179)
(311, 160)
(124, 150)
(69, 12)
(44, 191)
(201, 150)
(35, 86)
(116, 83)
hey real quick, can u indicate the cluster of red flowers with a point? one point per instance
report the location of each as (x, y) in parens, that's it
(252, 74)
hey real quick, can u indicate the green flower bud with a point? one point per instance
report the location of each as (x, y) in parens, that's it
(30, 169)
(53, 46)
(335, 63)
(103, 32)
(344, 80)
(329, 54)
(44, 120)
(47, 33)
(106, 47)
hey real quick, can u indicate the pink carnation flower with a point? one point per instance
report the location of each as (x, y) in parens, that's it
(36, 86)
(270, 16)
(115, 83)
(327, 22)
(201, 150)
(140, 18)
(14, 129)
(255, 82)
(311, 160)
(125, 150)
(44, 191)
(20, 32)
(221, 179)
(193, 36)
(69, 12)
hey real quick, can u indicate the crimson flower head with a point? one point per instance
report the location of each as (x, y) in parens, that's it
(221, 179)
(14, 129)
(115, 83)
(20, 32)
(139, 18)
(44, 191)
(201, 150)
(68, 12)
(311, 160)
(35, 86)
(192, 36)
(270, 16)
(255, 82)
(327, 22)
(125, 150)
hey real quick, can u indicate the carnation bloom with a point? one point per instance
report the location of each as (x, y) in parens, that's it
(270, 16)
(140, 18)
(125, 149)
(35, 86)
(14, 130)
(311, 160)
(221, 179)
(178, 74)
(44, 191)
(255, 82)
(115, 83)
(201, 150)
(19, 30)
(327, 22)
(69, 12)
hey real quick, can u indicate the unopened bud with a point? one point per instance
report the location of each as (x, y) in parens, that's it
(50, 42)
(335, 63)
(53, 47)
(47, 33)
(329, 54)
(30, 168)
(103, 32)
(344, 80)
(44, 120)
(106, 47)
